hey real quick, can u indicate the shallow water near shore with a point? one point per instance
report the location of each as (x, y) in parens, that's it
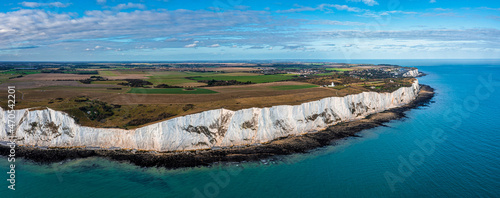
(465, 163)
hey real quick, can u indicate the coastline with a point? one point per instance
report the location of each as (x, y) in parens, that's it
(282, 146)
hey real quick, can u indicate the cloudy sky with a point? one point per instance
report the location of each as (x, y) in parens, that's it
(171, 30)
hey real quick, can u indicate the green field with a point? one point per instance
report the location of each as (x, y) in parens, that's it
(26, 72)
(107, 73)
(291, 87)
(174, 77)
(339, 69)
(177, 81)
(253, 79)
(130, 72)
(109, 82)
(179, 78)
(121, 68)
(170, 91)
(325, 74)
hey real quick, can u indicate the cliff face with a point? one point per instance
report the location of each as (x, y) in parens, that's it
(411, 73)
(214, 128)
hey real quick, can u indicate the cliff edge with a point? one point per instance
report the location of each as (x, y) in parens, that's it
(205, 130)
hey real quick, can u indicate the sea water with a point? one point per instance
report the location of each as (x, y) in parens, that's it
(450, 148)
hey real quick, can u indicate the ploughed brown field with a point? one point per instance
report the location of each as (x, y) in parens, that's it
(51, 77)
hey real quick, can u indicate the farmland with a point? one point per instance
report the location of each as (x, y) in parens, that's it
(129, 95)
(170, 91)
(253, 78)
(291, 87)
(339, 69)
(174, 78)
(108, 73)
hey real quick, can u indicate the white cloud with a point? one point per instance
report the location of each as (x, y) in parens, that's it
(52, 4)
(125, 29)
(129, 5)
(488, 8)
(386, 13)
(442, 9)
(101, 1)
(472, 35)
(301, 9)
(38, 30)
(367, 2)
(191, 45)
(322, 7)
(444, 14)
(340, 7)
(396, 12)
(432, 1)
(194, 44)
(332, 22)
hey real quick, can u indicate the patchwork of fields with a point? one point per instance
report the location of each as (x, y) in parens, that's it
(339, 69)
(170, 91)
(132, 96)
(175, 78)
(253, 78)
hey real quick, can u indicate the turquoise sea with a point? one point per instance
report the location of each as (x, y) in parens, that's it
(450, 148)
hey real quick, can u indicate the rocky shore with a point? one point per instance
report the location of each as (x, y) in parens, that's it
(283, 146)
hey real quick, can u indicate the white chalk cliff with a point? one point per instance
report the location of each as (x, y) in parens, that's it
(411, 73)
(214, 128)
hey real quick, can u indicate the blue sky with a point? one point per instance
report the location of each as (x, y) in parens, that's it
(174, 30)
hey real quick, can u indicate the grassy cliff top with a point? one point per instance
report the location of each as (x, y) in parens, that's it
(131, 97)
